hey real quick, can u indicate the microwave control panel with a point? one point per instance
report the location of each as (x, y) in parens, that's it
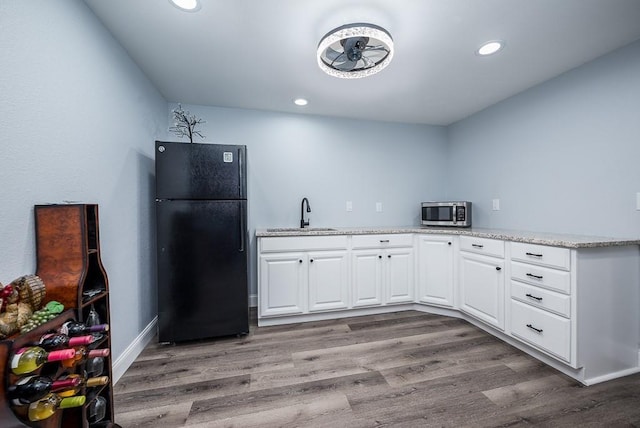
(460, 213)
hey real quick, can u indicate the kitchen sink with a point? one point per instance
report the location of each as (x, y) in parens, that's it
(298, 229)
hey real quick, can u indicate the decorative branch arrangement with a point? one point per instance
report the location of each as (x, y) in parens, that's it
(185, 123)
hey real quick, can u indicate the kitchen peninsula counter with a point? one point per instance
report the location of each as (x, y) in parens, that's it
(541, 238)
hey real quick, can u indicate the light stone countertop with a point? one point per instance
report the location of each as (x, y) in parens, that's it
(542, 238)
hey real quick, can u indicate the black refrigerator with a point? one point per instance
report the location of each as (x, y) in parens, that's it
(202, 254)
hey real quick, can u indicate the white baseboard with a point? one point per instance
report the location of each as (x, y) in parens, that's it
(122, 363)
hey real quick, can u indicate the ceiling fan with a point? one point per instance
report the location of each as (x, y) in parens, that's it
(355, 50)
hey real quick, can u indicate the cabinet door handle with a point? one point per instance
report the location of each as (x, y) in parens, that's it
(498, 268)
(379, 257)
(539, 299)
(534, 276)
(448, 243)
(389, 256)
(311, 260)
(539, 330)
(477, 245)
(533, 254)
(384, 241)
(300, 261)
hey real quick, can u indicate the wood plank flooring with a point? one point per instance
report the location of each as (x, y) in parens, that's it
(405, 369)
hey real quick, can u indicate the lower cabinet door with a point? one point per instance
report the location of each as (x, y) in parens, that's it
(282, 284)
(399, 276)
(328, 280)
(435, 275)
(367, 278)
(482, 288)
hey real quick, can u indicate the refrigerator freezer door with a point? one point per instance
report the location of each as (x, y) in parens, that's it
(202, 269)
(200, 171)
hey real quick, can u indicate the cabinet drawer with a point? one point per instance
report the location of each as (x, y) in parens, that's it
(303, 243)
(544, 299)
(545, 330)
(382, 241)
(555, 257)
(549, 278)
(489, 247)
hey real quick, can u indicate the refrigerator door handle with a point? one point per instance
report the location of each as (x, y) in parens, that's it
(242, 227)
(241, 173)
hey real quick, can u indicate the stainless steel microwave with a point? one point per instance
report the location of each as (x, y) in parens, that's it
(456, 214)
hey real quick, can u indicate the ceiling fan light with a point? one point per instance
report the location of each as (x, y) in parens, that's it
(372, 33)
(489, 48)
(186, 5)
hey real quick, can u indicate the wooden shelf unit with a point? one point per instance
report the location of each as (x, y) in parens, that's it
(69, 264)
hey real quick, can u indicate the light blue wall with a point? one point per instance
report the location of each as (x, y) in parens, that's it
(77, 118)
(330, 161)
(561, 157)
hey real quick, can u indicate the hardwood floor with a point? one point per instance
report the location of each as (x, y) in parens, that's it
(406, 369)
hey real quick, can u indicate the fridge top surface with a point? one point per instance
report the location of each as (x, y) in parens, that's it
(194, 171)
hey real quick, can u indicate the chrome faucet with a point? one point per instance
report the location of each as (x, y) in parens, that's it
(302, 222)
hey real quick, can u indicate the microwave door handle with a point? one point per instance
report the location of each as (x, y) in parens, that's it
(454, 211)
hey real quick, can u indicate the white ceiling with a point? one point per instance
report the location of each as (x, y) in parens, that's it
(261, 54)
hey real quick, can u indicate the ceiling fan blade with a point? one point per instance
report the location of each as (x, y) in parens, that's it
(345, 66)
(367, 62)
(375, 48)
(332, 54)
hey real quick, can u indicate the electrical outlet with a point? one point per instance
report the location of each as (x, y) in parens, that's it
(378, 207)
(496, 204)
(349, 206)
(638, 201)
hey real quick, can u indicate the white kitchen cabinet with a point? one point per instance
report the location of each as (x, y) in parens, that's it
(399, 281)
(605, 316)
(366, 283)
(549, 332)
(282, 284)
(382, 241)
(551, 301)
(573, 306)
(328, 280)
(484, 246)
(384, 273)
(552, 279)
(298, 275)
(540, 308)
(578, 306)
(436, 270)
(482, 292)
(543, 255)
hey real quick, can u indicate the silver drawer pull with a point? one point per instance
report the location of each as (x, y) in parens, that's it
(477, 245)
(538, 330)
(384, 241)
(534, 276)
(533, 254)
(539, 299)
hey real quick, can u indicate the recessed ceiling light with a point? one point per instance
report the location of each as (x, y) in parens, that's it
(300, 102)
(490, 48)
(186, 5)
